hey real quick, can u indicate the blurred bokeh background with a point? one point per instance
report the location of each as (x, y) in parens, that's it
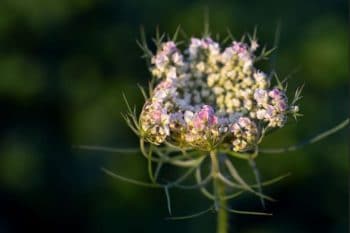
(64, 65)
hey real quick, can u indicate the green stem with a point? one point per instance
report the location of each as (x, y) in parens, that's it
(222, 217)
(219, 191)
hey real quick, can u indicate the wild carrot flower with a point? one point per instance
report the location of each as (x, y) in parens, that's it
(208, 96)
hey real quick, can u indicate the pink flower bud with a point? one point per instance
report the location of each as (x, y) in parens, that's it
(282, 105)
(205, 117)
(169, 47)
(206, 42)
(244, 122)
(270, 112)
(195, 42)
(160, 60)
(260, 96)
(156, 115)
(240, 48)
(276, 93)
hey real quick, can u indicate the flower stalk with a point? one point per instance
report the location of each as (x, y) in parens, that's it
(219, 191)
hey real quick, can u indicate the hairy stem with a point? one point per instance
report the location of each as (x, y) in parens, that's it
(219, 191)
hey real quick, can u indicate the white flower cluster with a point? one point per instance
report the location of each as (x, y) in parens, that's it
(272, 106)
(207, 96)
(244, 132)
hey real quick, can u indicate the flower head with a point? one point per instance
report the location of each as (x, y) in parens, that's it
(208, 96)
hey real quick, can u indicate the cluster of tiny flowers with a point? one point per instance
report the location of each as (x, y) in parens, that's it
(272, 106)
(202, 128)
(155, 121)
(207, 96)
(244, 133)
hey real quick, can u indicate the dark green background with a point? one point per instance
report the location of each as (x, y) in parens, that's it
(63, 67)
